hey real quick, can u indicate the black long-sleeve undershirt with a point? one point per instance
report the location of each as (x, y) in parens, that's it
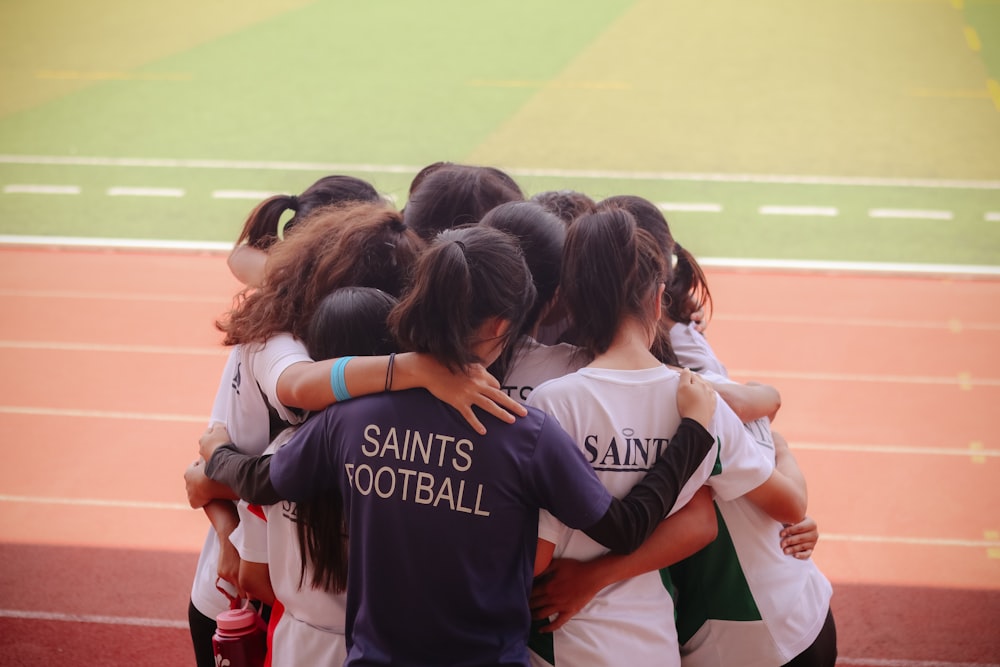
(623, 528)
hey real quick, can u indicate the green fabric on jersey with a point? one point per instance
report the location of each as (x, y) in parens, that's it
(711, 585)
(542, 643)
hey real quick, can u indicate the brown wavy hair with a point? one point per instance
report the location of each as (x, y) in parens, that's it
(357, 244)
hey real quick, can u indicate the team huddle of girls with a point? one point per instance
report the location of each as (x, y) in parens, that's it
(489, 430)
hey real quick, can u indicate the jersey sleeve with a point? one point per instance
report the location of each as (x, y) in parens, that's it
(224, 392)
(305, 467)
(552, 529)
(250, 538)
(742, 465)
(562, 481)
(273, 359)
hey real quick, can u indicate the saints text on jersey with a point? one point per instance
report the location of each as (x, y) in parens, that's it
(387, 479)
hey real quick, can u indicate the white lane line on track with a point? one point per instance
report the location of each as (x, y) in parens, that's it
(103, 161)
(101, 414)
(94, 502)
(121, 191)
(912, 541)
(103, 347)
(958, 380)
(877, 662)
(111, 296)
(111, 244)
(894, 449)
(41, 189)
(954, 325)
(821, 211)
(89, 618)
(910, 214)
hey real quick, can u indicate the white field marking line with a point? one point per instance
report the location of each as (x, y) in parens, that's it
(802, 265)
(822, 211)
(98, 161)
(109, 296)
(910, 214)
(693, 207)
(859, 377)
(877, 662)
(89, 618)
(102, 347)
(954, 326)
(993, 216)
(258, 195)
(101, 414)
(918, 541)
(894, 449)
(94, 502)
(121, 191)
(42, 189)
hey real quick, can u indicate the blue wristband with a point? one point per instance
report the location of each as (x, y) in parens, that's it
(337, 381)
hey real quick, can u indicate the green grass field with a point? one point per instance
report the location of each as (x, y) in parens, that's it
(858, 105)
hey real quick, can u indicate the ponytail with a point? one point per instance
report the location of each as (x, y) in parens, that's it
(261, 227)
(688, 287)
(466, 277)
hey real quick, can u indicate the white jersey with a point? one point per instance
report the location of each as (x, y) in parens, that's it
(742, 600)
(693, 351)
(622, 420)
(307, 624)
(250, 374)
(535, 363)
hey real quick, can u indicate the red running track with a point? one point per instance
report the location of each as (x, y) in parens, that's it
(110, 362)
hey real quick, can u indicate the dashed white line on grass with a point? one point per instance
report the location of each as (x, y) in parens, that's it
(910, 214)
(42, 189)
(122, 191)
(822, 211)
(993, 216)
(258, 195)
(693, 207)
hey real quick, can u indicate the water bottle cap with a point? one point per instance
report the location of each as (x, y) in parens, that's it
(236, 619)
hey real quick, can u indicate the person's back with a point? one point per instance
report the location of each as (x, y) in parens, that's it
(441, 520)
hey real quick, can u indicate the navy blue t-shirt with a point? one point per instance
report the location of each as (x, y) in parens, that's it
(443, 522)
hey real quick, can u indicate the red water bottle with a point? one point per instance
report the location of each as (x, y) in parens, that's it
(240, 638)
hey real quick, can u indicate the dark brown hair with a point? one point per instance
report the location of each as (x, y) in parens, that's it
(541, 237)
(610, 270)
(687, 288)
(452, 195)
(568, 205)
(466, 276)
(348, 321)
(353, 244)
(263, 226)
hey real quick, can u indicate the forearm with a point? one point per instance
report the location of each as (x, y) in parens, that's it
(629, 521)
(223, 516)
(308, 385)
(680, 535)
(750, 401)
(248, 476)
(786, 464)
